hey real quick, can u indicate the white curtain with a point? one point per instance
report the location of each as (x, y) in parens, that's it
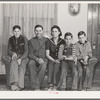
(27, 16)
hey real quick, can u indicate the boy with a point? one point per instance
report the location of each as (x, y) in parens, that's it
(18, 59)
(86, 61)
(67, 55)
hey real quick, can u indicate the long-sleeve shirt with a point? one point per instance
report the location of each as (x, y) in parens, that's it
(37, 48)
(83, 49)
(19, 46)
(65, 50)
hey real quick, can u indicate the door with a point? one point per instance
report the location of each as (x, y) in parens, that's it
(93, 29)
(93, 33)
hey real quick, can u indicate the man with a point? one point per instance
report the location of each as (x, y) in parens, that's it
(67, 55)
(38, 62)
(16, 59)
(86, 61)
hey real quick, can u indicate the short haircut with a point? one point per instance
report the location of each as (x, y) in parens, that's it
(81, 33)
(68, 34)
(38, 26)
(58, 28)
(16, 26)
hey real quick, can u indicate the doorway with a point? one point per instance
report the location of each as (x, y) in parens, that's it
(93, 34)
(93, 28)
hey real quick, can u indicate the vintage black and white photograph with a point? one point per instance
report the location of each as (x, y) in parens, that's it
(50, 46)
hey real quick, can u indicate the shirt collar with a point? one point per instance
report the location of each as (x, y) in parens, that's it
(69, 45)
(39, 38)
(59, 40)
(82, 43)
(18, 37)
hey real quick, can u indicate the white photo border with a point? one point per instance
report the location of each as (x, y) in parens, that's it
(49, 94)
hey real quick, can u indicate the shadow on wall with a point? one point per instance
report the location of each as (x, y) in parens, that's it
(4, 50)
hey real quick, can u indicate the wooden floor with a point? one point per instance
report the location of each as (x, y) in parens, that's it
(4, 87)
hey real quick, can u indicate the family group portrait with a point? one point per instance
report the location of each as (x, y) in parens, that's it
(50, 46)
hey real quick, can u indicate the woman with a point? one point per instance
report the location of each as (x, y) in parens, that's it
(52, 47)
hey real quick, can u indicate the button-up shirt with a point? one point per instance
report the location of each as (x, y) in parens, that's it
(83, 49)
(54, 48)
(37, 48)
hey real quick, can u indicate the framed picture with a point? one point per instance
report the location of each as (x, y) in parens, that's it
(74, 8)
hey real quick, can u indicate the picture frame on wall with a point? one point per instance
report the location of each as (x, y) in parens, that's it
(74, 8)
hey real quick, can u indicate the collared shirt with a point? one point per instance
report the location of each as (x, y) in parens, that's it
(83, 49)
(37, 48)
(67, 51)
(54, 48)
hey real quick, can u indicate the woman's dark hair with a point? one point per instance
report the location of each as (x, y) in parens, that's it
(81, 33)
(16, 26)
(38, 26)
(68, 34)
(58, 28)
